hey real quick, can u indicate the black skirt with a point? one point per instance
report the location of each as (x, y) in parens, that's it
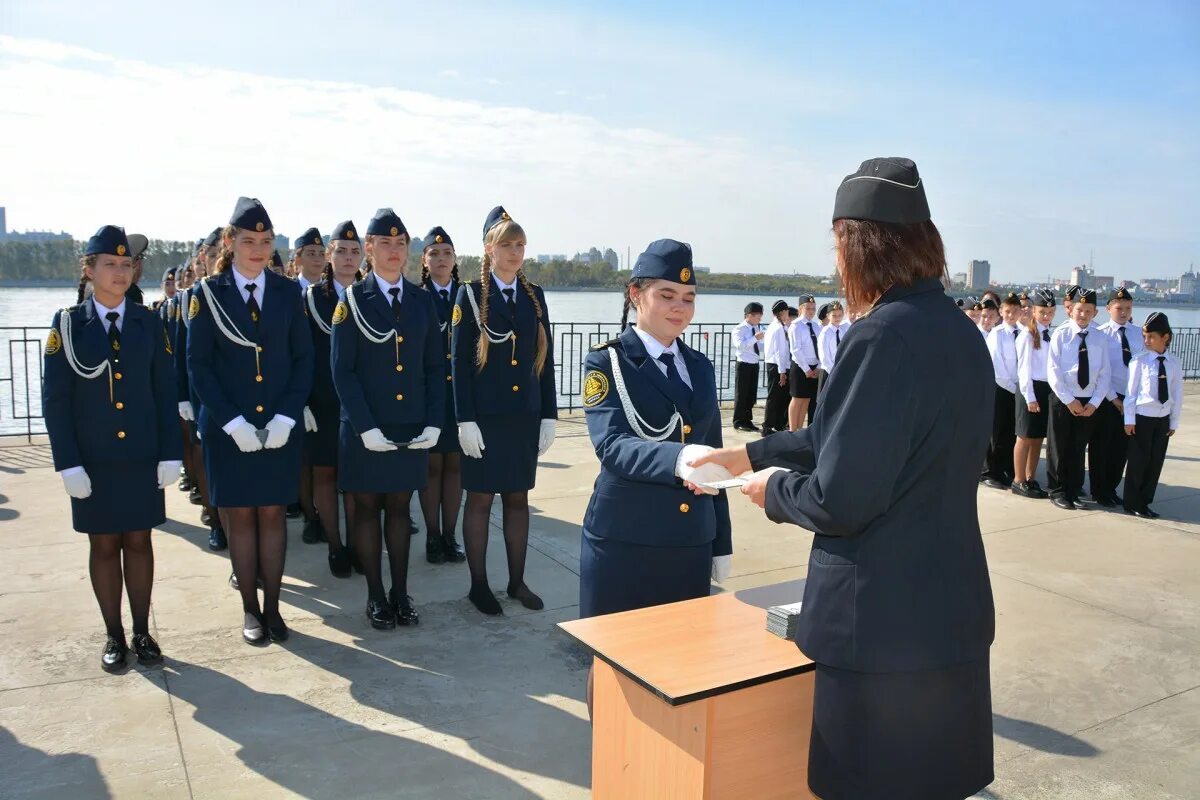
(621, 576)
(510, 455)
(321, 445)
(923, 735)
(369, 472)
(1030, 425)
(800, 385)
(125, 497)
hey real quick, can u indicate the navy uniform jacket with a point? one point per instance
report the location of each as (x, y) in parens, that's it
(138, 422)
(223, 373)
(168, 313)
(637, 497)
(445, 311)
(375, 390)
(886, 477)
(183, 322)
(508, 383)
(322, 399)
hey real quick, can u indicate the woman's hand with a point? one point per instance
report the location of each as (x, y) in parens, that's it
(756, 487)
(734, 459)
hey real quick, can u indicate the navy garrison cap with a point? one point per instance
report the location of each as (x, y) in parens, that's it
(1073, 292)
(212, 238)
(823, 312)
(1011, 299)
(1120, 294)
(108, 241)
(249, 215)
(437, 235)
(345, 231)
(989, 303)
(1157, 323)
(137, 244)
(169, 272)
(386, 223)
(495, 217)
(199, 244)
(807, 298)
(778, 306)
(309, 237)
(1043, 298)
(666, 259)
(883, 190)
(1086, 296)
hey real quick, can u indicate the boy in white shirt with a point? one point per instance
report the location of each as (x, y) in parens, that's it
(1153, 405)
(1002, 344)
(747, 340)
(1106, 450)
(779, 360)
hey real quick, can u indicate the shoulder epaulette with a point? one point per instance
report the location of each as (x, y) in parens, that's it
(604, 345)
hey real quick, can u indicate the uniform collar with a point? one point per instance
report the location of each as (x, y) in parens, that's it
(386, 287)
(339, 289)
(241, 281)
(439, 288)
(1076, 330)
(303, 281)
(654, 348)
(501, 285)
(102, 310)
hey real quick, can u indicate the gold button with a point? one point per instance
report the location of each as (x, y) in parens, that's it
(259, 409)
(120, 405)
(399, 397)
(447, 356)
(258, 378)
(399, 368)
(399, 340)
(120, 434)
(684, 507)
(687, 429)
(117, 376)
(516, 388)
(449, 378)
(514, 362)
(259, 348)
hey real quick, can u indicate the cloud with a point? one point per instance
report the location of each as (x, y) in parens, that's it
(450, 73)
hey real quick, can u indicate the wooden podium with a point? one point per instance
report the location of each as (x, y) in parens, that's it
(697, 700)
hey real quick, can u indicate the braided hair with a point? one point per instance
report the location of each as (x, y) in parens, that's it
(506, 231)
(225, 256)
(640, 284)
(84, 263)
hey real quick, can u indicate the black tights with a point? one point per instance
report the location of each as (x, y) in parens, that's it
(325, 497)
(516, 535)
(108, 551)
(442, 493)
(369, 536)
(258, 547)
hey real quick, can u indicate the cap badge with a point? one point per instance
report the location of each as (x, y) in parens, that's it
(395, 231)
(120, 249)
(438, 239)
(349, 233)
(258, 226)
(684, 274)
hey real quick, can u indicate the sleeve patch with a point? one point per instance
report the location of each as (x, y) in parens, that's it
(53, 342)
(193, 307)
(595, 388)
(341, 312)
(456, 315)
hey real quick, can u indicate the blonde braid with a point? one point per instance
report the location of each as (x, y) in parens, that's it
(225, 256)
(485, 284)
(539, 358)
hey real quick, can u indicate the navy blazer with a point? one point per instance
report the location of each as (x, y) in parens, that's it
(507, 384)
(323, 398)
(183, 384)
(400, 381)
(223, 373)
(138, 421)
(886, 477)
(445, 312)
(636, 497)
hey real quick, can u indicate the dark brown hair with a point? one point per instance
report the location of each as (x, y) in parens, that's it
(874, 256)
(84, 263)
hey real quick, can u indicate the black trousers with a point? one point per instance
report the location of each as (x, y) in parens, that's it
(1106, 451)
(1004, 437)
(778, 398)
(1065, 447)
(1147, 451)
(745, 390)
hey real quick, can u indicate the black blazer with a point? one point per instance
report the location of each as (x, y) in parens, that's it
(886, 476)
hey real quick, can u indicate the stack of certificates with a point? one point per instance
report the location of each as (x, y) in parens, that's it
(783, 620)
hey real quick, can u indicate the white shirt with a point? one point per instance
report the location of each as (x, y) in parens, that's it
(438, 289)
(743, 339)
(1031, 362)
(1141, 393)
(1118, 372)
(501, 285)
(386, 287)
(1002, 344)
(341, 290)
(242, 282)
(103, 310)
(777, 346)
(1062, 366)
(828, 342)
(804, 347)
(304, 282)
(654, 348)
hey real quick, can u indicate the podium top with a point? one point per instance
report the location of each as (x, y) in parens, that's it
(683, 652)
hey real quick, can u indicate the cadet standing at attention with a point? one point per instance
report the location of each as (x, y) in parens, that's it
(109, 403)
(1108, 445)
(250, 357)
(504, 400)
(1002, 345)
(802, 380)
(777, 355)
(747, 340)
(305, 267)
(1153, 405)
(1033, 402)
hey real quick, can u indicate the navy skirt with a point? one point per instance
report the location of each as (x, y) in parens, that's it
(448, 442)
(367, 472)
(902, 736)
(321, 446)
(1028, 424)
(510, 455)
(125, 497)
(251, 480)
(621, 576)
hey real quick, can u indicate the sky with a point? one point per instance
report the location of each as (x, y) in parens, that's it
(1047, 134)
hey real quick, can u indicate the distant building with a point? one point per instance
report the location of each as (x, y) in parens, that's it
(1156, 284)
(282, 244)
(1103, 282)
(959, 278)
(1187, 283)
(1081, 276)
(979, 275)
(546, 258)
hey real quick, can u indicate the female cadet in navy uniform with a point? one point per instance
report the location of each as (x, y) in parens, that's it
(306, 267)
(389, 370)
(651, 405)
(898, 612)
(343, 255)
(504, 400)
(442, 496)
(250, 357)
(109, 406)
(183, 281)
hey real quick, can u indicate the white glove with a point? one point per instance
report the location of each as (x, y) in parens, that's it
(721, 567)
(278, 433)
(470, 439)
(376, 442)
(546, 435)
(186, 412)
(427, 439)
(168, 473)
(705, 473)
(77, 483)
(310, 422)
(245, 436)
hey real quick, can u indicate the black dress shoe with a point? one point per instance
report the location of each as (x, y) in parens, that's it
(1141, 513)
(339, 563)
(381, 615)
(314, 532)
(1105, 502)
(413, 527)
(435, 552)
(1150, 512)
(293, 510)
(1021, 490)
(217, 540)
(146, 649)
(185, 485)
(1035, 490)
(206, 518)
(766, 431)
(113, 659)
(194, 496)
(277, 631)
(992, 483)
(254, 630)
(452, 549)
(526, 597)
(1063, 503)
(483, 599)
(744, 428)
(1117, 499)
(1079, 505)
(402, 607)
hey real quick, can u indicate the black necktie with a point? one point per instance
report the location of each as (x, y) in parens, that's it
(1164, 393)
(395, 293)
(114, 335)
(510, 301)
(1085, 373)
(1015, 332)
(812, 334)
(1046, 335)
(1125, 354)
(673, 375)
(251, 303)
(837, 336)
(445, 293)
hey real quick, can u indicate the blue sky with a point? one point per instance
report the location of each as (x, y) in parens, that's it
(1044, 131)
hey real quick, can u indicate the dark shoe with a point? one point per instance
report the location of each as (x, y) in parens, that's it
(452, 549)
(254, 631)
(1035, 490)
(293, 510)
(1079, 505)
(314, 532)
(1141, 513)
(1105, 502)
(277, 631)
(185, 485)
(339, 563)
(194, 496)
(217, 540)
(413, 527)
(526, 597)
(402, 607)
(1150, 512)
(765, 432)
(1021, 490)
(483, 599)
(992, 483)
(381, 615)
(1117, 499)
(435, 552)
(752, 427)
(1063, 503)
(206, 518)
(146, 649)
(113, 659)
(741, 426)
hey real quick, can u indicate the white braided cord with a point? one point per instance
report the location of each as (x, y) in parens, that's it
(312, 307)
(491, 335)
(68, 344)
(636, 421)
(363, 326)
(221, 317)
